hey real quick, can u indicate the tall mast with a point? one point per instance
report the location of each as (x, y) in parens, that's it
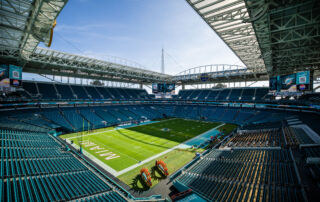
(162, 62)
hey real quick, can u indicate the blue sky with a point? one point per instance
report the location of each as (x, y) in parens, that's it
(137, 30)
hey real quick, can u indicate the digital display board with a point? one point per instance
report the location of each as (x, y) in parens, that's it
(296, 82)
(10, 77)
(4, 75)
(163, 88)
(154, 88)
(15, 75)
(303, 77)
(288, 82)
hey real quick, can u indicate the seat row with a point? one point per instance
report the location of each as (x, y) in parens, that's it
(24, 136)
(27, 167)
(49, 173)
(109, 196)
(28, 143)
(296, 136)
(30, 152)
(251, 155)
(250, 172)
(53, 91)
(266, 138)
(230, 94)
(312, 151)
(57, 187)
(216, 190)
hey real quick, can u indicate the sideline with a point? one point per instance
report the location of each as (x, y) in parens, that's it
(182, 145)
(117, 128)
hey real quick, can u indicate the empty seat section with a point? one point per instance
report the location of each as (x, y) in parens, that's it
(261, 93)
(235, 94)
(132, 94)
(65, 91)
(224, 175)
(193, 95)
(128, 112)
(115, 94)
(188, 94)
(47, 91)
(105, 93)
(77, 121)
(243, 116)
(30, 87)
(93, 92)
(23, 94)
(91, 116)
(123, 93)
(142, 93)
(229, 115)
(80, 92)
(54, 115)
(223, 95)
(248, 94)
(106, 115)
(212, 96)
(151, 112)
(119, 114)
(204, 95)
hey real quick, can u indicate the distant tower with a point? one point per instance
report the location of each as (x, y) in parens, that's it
(162, 62)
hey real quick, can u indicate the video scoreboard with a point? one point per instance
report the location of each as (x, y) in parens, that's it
(10, 77)
(297, 82)
(163, 88)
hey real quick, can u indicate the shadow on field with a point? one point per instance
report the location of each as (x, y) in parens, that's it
(138, 184)
(156, 174)
(121, 133)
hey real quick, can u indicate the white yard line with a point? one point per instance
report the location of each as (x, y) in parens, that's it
(78, 136)
(117, 173)
(96, 160)
(110, 130)
(162, 153)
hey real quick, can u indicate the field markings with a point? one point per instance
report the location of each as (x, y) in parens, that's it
(127, 133)
(164, 152)
(79, 136)
(115, 129)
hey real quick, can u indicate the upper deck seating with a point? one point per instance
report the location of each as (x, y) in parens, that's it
(47, 91)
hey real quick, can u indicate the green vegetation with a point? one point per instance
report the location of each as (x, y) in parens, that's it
(174, 160)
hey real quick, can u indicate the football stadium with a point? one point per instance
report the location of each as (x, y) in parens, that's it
(78, 127)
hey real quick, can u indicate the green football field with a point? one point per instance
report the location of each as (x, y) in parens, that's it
(121, 148)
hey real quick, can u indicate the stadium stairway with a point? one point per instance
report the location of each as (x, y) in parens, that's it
(37, 167)
(223, 175)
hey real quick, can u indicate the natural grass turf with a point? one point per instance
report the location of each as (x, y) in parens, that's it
(174, 160)
(138, 143)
